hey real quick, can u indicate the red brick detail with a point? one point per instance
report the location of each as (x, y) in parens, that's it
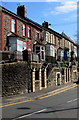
(35, 34)
(16, 24)
(2, 32)
(26, 31)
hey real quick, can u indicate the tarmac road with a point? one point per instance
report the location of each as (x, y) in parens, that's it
(60, 105)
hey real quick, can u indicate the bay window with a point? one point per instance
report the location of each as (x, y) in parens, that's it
(40, 50)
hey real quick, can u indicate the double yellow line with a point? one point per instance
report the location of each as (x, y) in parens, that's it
(52, 94)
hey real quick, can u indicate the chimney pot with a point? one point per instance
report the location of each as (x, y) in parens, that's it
(21, 11)
(46, 24)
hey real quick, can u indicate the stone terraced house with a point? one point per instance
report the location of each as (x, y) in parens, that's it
(20, 33)
(48, 53)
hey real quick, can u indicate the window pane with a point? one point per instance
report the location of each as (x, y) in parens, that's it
(47, 37)
(37, 35)
(37, 49)
(19, 45)
(13, 25)
(24, 30)
(29, 32)
(55, 39)
(24, 46)
(42, 54)
(59, 42)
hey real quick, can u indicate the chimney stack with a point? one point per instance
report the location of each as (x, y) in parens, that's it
(46, 24)
(21, 11)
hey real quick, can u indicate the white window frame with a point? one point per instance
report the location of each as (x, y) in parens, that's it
(51, 39)
(37, 35)
(42, 50)
(29, 31)
(58, 42)
(47, 37)
(13, 25)
(24, 29)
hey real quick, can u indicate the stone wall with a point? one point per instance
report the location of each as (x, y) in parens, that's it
(7, 30)
(74, 73)
(52, 77)
(15, 78)
(0, 27)
(66, 75)
(20, 25)
(0, 80)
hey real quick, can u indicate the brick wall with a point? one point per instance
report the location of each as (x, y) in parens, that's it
(15, 78)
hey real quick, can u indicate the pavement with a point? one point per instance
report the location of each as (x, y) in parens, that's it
(36, 95)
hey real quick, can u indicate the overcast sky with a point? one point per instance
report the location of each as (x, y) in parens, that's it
(62, 14)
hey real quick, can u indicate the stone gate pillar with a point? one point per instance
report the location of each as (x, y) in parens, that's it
(40, 78)
(69, 76)
(33, 79)
(45, 78)
(65, 75)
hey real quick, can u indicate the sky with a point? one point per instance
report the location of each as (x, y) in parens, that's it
(61, 14)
